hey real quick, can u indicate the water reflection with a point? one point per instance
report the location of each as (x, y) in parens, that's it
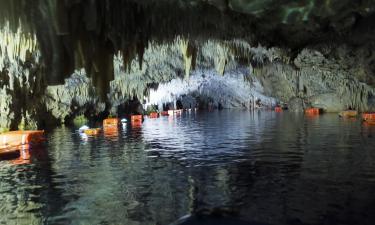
(196, 141)
(26, 191)
(111, 133)
(278, 168)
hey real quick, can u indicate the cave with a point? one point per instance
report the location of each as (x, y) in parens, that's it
(245, 94)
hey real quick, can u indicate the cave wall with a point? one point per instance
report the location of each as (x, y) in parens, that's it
(335, 78)
(76, 34)
(21, 78)
(331, 77)
(60, 59)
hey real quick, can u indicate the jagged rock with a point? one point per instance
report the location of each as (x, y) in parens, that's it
(207, 87)
(329, 102)
(315, 76)
(166, 63)
(76, 34)
(76, 97)
(6, 115)
(21, 84)
(371, 104)
(148, 44)
(296, 105)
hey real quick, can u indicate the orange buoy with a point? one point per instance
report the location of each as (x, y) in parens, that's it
(369, 122)
(11, 142)
(369, 118)
(92, 132)
(313, 111)
(278, 109)
(111, 131)
(153, 115)
(164, 113)
(111, 122)
(136, 118)
(348, 113)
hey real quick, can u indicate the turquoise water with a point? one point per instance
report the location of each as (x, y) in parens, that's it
(277, 168)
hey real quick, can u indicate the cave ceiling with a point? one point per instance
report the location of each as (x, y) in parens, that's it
(87, 33)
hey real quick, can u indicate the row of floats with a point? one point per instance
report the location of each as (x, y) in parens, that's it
(15, 144)
(367, 117)
(19, 142)
(110, 125)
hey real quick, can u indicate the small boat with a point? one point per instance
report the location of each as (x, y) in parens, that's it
(111, 122)
(348, 113)
(92, 131)
(278, 109)
(136, 118)
(313, 111)
(11, 142)
(18, 138)
(153, 115)
(369, 117)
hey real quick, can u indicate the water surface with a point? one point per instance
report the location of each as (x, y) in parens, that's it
(278, 168)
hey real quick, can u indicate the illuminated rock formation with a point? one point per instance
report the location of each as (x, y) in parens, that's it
(318, 53)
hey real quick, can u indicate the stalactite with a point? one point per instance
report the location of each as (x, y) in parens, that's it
(187, 52)
(128, 25)
(221, 58)
(16, 48)
(140, 52)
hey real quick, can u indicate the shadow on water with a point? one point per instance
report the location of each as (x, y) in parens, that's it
(276, 168)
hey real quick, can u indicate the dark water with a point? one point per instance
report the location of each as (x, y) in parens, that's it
(275, 168)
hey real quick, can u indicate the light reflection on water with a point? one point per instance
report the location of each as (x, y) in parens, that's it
(276, 168)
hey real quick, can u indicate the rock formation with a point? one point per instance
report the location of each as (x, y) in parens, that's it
(60, 59)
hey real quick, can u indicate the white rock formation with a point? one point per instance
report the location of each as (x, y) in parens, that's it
(230, 91)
